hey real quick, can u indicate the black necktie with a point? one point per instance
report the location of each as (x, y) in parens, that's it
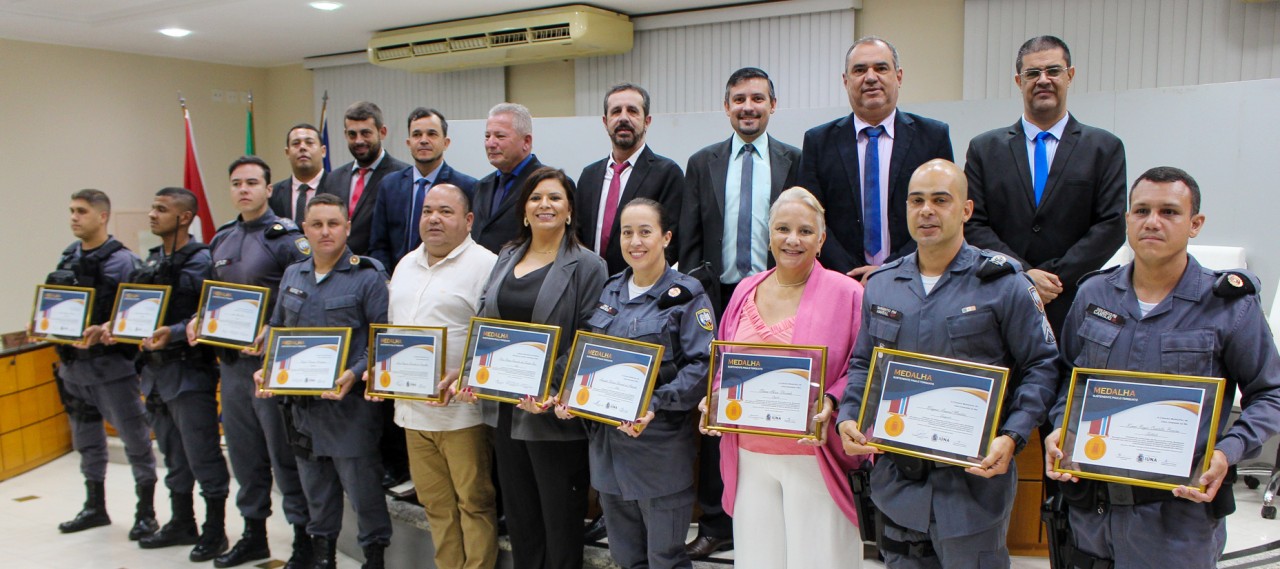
(300, 206)
(499, 192)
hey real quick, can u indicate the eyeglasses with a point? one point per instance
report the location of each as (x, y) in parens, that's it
(1033, 73)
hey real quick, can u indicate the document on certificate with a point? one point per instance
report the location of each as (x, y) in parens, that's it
(610, 382)
(305, 362)
(232, 314)
(406, 363)
(1139, 427)
(513, 362)
(764, 391)
(138, 311)
(936, 409)
(61, 312)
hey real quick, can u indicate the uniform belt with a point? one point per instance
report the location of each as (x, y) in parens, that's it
(159, 357)
(70, 354)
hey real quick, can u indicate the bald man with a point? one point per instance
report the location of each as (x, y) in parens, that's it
(952, 300)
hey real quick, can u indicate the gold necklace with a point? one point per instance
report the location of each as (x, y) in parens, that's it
(778, 280)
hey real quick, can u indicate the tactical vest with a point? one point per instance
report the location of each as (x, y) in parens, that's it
(86, 271)
(168, 271)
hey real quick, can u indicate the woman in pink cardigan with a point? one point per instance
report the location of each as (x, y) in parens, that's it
(802, 484)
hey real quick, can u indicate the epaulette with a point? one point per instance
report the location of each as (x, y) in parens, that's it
(995, 265)
(1102, 271)
(227, 225)
(282, 226)
(1235, 283)
(885, 267)
(366, 263)
(675, 296)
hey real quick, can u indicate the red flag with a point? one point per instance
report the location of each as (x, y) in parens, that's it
(192, 180)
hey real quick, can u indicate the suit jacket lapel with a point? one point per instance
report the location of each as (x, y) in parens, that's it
(779, 165)
(719, 165)
(557, 282)
(1018, 147)
(638, 172)
(589, 200)
(904, 134)
(1061, 157)
(847, 146)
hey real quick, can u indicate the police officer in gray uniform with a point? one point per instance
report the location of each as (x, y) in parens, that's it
(952, 300)
(644, 470)
(254, 249)
(337, 289)
(180, 382)
(98, 381)
(1164, 313)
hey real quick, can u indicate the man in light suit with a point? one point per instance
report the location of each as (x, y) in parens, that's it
(508, 143)
(867, 207)
(1048, 191)
(632, 170)
(400, 195)
(356, 182)
(714, 191)
(306, 158)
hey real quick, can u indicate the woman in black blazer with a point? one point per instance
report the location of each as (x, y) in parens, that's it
(544, 276)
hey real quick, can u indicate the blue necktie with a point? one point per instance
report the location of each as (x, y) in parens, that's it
(499, 191)
(744, 212)
(1041, 175)
(871, 192)
(414, 236)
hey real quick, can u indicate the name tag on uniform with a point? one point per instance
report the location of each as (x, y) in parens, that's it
(886, 312)
(221, 263)
(608, 309)
(1109, 316)
(296, 291)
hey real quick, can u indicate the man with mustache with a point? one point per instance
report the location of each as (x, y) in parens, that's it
(306, 159)
(859, 165)
(1048, 190)
(725, 238)
(632, 170)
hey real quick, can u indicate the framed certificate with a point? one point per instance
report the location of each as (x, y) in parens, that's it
(1144, 429)
(61, 313)
(933, 408)
(507, 361)
(610, 379)
(231, 314)
(138, 311)
(305, 361)
(406, 362)
(765, 389)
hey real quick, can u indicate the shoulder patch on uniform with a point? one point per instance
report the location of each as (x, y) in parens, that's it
(995, 265)
(1092, 274)
(1100, 312)
(675, 296)
(1035, 297)
(303, 245)
(282, 226)
(1234, 284)
(704, 319)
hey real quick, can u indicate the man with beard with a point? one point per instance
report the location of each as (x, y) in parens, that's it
(306, 159)
(631, 171)
(357, 182)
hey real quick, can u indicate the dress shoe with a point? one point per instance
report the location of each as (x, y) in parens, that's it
(595, 531)
(705, 545)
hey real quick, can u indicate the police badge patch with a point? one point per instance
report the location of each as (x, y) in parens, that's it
(1035, 296)
(704, 319)
(303, 245)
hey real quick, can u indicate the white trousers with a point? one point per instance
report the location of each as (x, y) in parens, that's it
(784, 517)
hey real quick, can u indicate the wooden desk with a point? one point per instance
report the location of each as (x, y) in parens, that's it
(33, 425)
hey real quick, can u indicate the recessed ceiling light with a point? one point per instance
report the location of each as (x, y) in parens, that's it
(176, 32)
(326, 6)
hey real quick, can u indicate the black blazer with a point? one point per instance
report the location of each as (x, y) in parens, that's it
(362, 217)
(569, 295)
(652, 176)
(393, 215)
(829, 169)
(281, 199)
(702, 212)
(494, 231)
(1079, 223)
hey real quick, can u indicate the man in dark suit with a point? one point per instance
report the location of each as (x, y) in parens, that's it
(508, 143)
(356, 182)
(289, 197)
(712, 214)
(867, 207)
(1048, 191)
(400, 195)
(631, 171)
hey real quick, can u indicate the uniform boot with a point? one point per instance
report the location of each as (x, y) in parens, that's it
(144, 518)
(181, 529)
(373, 556)
(251, 547)
(94, 513)
(303, 556)
(213, 534)
(326, 552)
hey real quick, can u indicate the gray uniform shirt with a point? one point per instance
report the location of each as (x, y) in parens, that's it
(997, 321)
(257, 252)
(113, 365)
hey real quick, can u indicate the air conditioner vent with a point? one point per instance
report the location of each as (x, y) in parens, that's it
(548, 33)
(508, 37)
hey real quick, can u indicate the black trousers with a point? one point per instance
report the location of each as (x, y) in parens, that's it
(544, 495)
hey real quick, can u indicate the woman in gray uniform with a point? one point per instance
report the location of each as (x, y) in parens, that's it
(643, 470)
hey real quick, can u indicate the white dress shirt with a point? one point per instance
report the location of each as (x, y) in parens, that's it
(1050, 144)
(604, 190)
